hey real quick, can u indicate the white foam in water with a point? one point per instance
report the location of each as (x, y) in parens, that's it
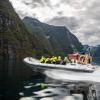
(65, 75)
(52, 91)
(78, 97)
(61, 94)
(27, 98)
(59, 98)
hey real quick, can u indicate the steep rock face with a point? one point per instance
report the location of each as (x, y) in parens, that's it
(61, 40)
(15, 40)
(13, 35)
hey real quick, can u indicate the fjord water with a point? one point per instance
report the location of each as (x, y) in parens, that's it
(19, 81)
(12, 76)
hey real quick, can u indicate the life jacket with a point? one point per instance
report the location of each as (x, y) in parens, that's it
(84, 59)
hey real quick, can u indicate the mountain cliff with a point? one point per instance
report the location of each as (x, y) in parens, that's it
(15, 40)
(60, 39)
(13, 35)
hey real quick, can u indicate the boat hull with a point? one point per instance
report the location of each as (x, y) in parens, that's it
(37, 65)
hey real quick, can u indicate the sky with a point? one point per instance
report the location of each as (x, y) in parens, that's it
(81, 17)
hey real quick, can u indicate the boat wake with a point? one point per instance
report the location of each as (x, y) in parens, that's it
(74, 76)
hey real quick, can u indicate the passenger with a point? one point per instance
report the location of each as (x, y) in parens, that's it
(54, 59)
(64, 61)
(42, 60)
(48, 60)
(67, 60)
(59, 60)
(51, 59)
(72, 60)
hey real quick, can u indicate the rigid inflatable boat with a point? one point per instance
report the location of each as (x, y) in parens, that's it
(70, 66)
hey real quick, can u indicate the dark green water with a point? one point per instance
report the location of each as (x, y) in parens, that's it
(15, 77)
(96, 60)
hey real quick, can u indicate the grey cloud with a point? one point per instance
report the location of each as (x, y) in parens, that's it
(60, 12)
(33, 3)
(36, 3)
(85, 22)
(48, 3)
(42, 3)
(77, 4)
(94, 11)
(90, 22)
(66, 1)
(69, 22)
